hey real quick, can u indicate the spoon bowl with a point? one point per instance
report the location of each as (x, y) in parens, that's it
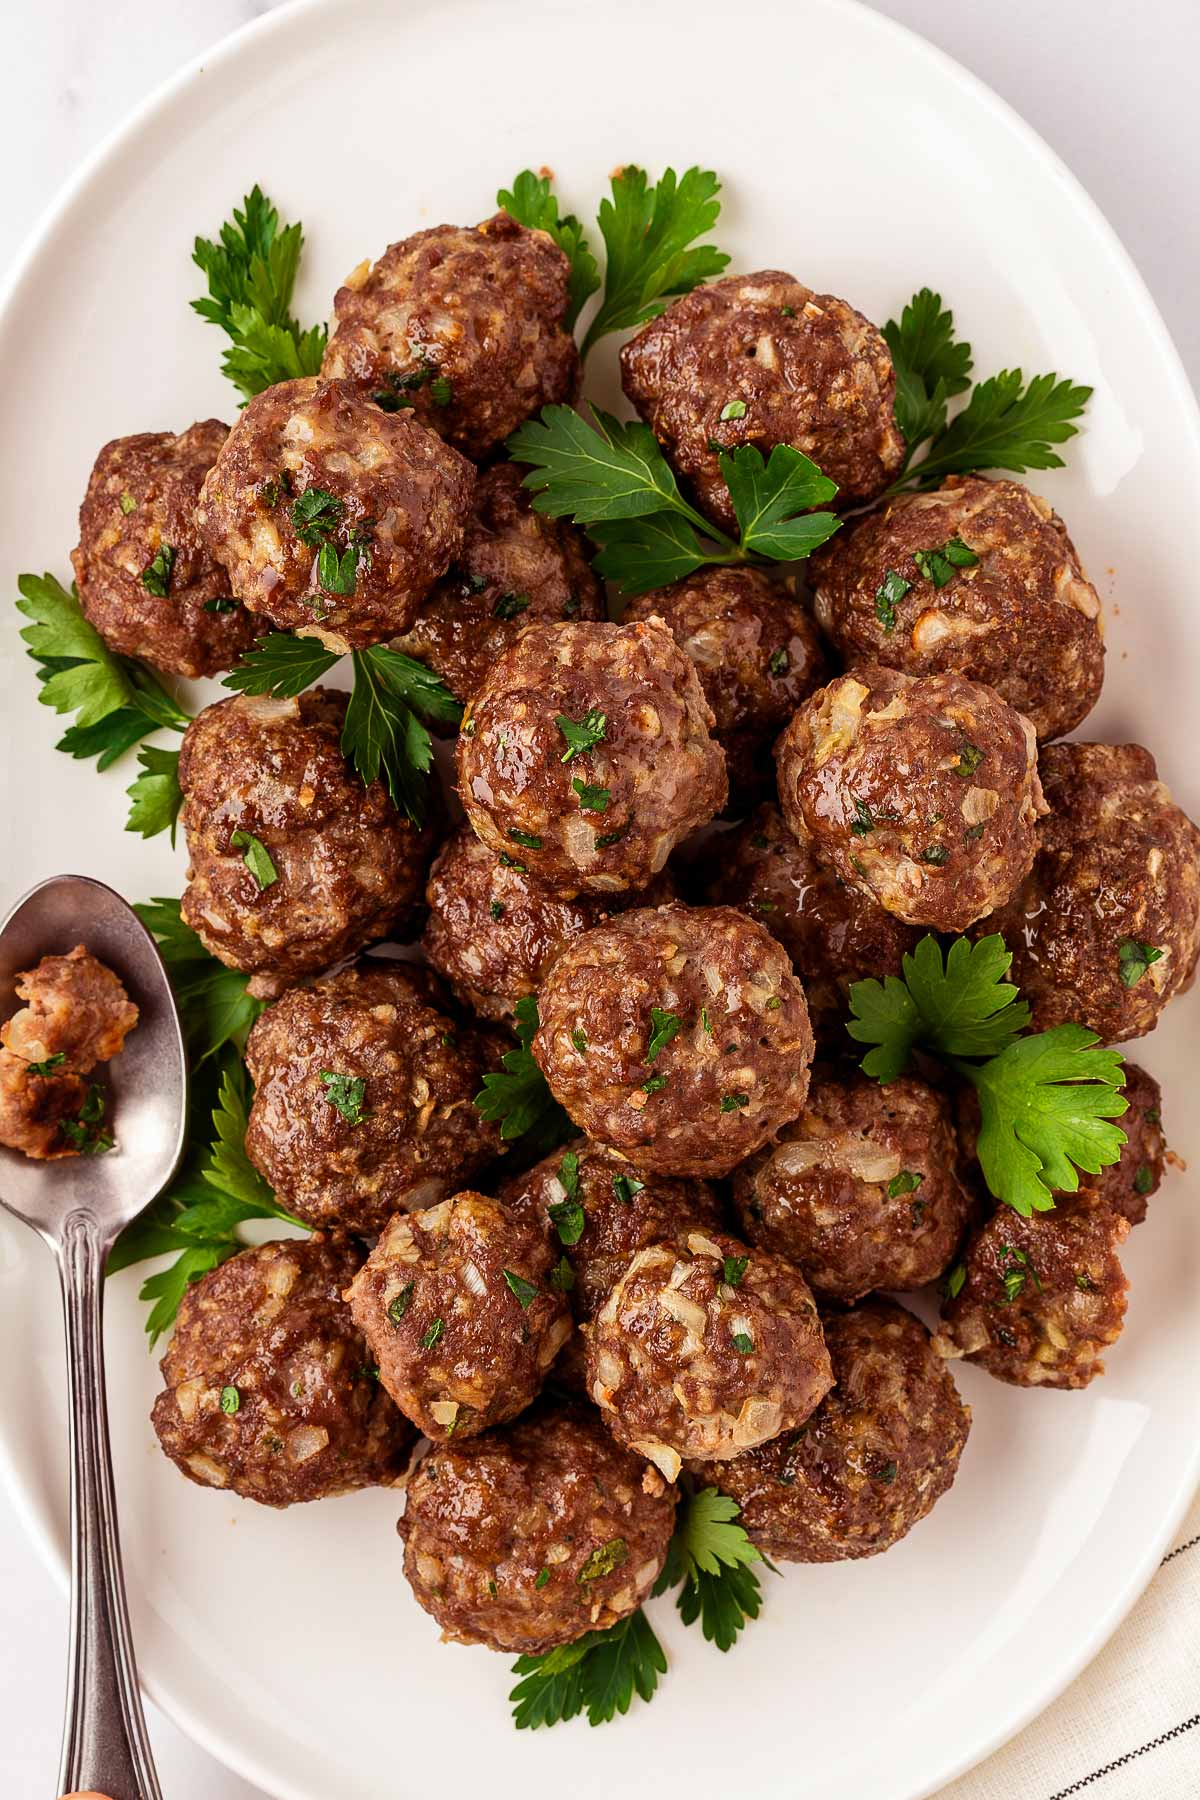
(79, 1205)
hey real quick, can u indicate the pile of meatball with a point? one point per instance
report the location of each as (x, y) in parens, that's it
(698, 1285)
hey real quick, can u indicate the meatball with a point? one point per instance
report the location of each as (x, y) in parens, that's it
(756, 652)
(363, 1097)
(1035, 1301)
(760, 359)
(880, 1450)
(462, 324)
(331, 517)
(530, 1537)
(704, 1348)
(862, 1190)
(920, 791)
(834, 934)
(269, 1389)
(677, 1034)
(1018, 615)
(1124, 1186)
(585, 755)
(342, 866)
(602, 1208)
(459, 1308)
(42, 1116)
(516, 568)
(146, 580)
(77, 1013)
(1107, 927)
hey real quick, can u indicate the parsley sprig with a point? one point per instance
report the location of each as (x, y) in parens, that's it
(650, 231)
(1047, 1101)
(213, 1003)
(199, 1217)
(613, 479)
(1007, 422)
(712, 1557)
(251, 275)
(517, 1097)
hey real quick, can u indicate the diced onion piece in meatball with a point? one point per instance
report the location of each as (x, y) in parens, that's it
(757, 654)
(705, 1348)
(459, 1309)
(331, 517)
(834, 934)
(760, 359)
(464, 325)
(345, 867)
(586, 755)
(1036, 1302)
(1016, 613)
(270, 1390)
(862, 1191)
(677, 1034)
(363, 1103)
(874, 1458)
(921, 791)
(76, 1011)
(146, 580)
(531, 1536)
(516, 568)
(1107, 927)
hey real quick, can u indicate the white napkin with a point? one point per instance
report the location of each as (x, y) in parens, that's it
(1129, 1727)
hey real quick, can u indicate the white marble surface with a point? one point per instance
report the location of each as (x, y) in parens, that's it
(1101, 83)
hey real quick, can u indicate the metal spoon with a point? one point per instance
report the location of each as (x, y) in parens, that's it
(78, 1205)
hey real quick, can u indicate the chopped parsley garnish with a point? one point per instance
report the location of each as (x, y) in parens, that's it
(603, 1561)
(938, 565)
(48, 1065)
(525, 1291)
(1047, 1101)
(441, 390)
(625, 1187)
(543, 1577)
(562, 1276)
(528, 840)
(1015, 1269)
(85, 1133)
(862, 822)
(496, 908)
(579, 1039)
(582, 734)
(734, 1102)
(969, 759)
(156, 576)
(400, 1305)
(251, 275)
(338, 573)
(705, 1021)
(231, 1400)
(655, 1084)
(431, 1336)
(733, 1270)
(733, 409)
(567, 1215)
(509, 605)
(591, 798)
(346, 1094)
(256, 857)
(954, 1281)
(906, 1182)
(510, 862)
(742, 1342)
(606, 838)
(778, 662)
(316, 515)
(937, 854)
(1143, 1181)
(887, 1474)
(888, 596)
(663, 1027)
(128, 504)
(1133, 959)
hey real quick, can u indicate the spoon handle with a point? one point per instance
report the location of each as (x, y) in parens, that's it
(105, 1744)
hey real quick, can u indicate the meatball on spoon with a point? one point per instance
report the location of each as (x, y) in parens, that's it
(79, 1205)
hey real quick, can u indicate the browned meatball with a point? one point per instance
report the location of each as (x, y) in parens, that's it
(760, 359)
(756, 652)
(1106, 928)
(461, 1313)
(704, 1348)
(516, 568)
(464, 324)
(270, 1390)
(922, 792)
(345, 868)
(1124, 1186)
(530, 1537)
(1036, 1301)
(833, 933)
(862, 1190)
(41, 1115)
(363, 1097)
(77, 1013)
(880, 1450)
(1022, 617)
(601, 1208)
(331, 517)
(678, 1034)
(146, 581)
(585, 755)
